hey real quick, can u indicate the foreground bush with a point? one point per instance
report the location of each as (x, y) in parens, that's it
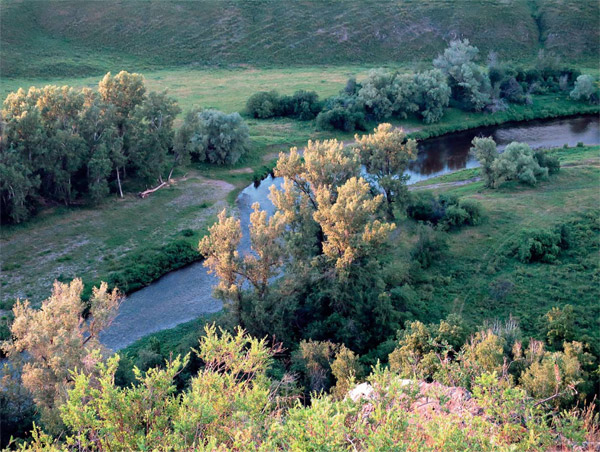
(232, 404)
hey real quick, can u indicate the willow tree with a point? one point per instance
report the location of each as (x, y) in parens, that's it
(469, 83)
(385, 154)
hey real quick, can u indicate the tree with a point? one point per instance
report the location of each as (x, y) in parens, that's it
(58, 339)
(327, 232)
(125, 91)
(485, 151)
(432, 95)
(98, 130)
(153, 134)
(388, 93)
(385, 154)
(214, 137)
(377, 93)
(264, 104)
(17, 186)
(351, 229)
(220, 250)
(326, 163)
(586, 87)
(469, 84)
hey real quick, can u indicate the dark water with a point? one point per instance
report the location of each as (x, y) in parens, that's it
(185, 294)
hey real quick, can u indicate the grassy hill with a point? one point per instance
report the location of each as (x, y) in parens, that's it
(76, 38)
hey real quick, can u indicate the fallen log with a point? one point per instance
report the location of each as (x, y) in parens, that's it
(145, 194)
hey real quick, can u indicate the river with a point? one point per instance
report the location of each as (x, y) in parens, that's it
(186, 294)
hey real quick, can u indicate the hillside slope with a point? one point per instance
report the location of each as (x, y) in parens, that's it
(74, 37)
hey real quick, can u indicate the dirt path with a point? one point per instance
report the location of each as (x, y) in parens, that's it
(457, 183)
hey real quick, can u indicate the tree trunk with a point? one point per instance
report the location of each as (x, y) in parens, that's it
(119, 183)
(145, 194)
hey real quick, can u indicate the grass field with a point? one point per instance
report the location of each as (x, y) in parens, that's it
(74, 38)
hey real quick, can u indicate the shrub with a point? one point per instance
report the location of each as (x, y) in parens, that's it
(429, 247)
(473, 209)
(559, 324)
(303, 105)
(264, 104)
(538, 245)
(547, 160)
(340, 118)
(446, 209)
(424, 207)
(455, 216)
(517, 163)
(586, 88)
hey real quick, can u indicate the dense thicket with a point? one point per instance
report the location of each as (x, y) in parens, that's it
(236, 401)
(302, 105)
(63, 145)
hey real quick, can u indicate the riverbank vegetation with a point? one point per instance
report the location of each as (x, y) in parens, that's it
(64, 145)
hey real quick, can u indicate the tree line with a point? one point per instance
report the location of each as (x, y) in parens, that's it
(457, 79)
(67, 145)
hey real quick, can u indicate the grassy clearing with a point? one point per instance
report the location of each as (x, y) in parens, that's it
(478, 258)
(93, 242)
